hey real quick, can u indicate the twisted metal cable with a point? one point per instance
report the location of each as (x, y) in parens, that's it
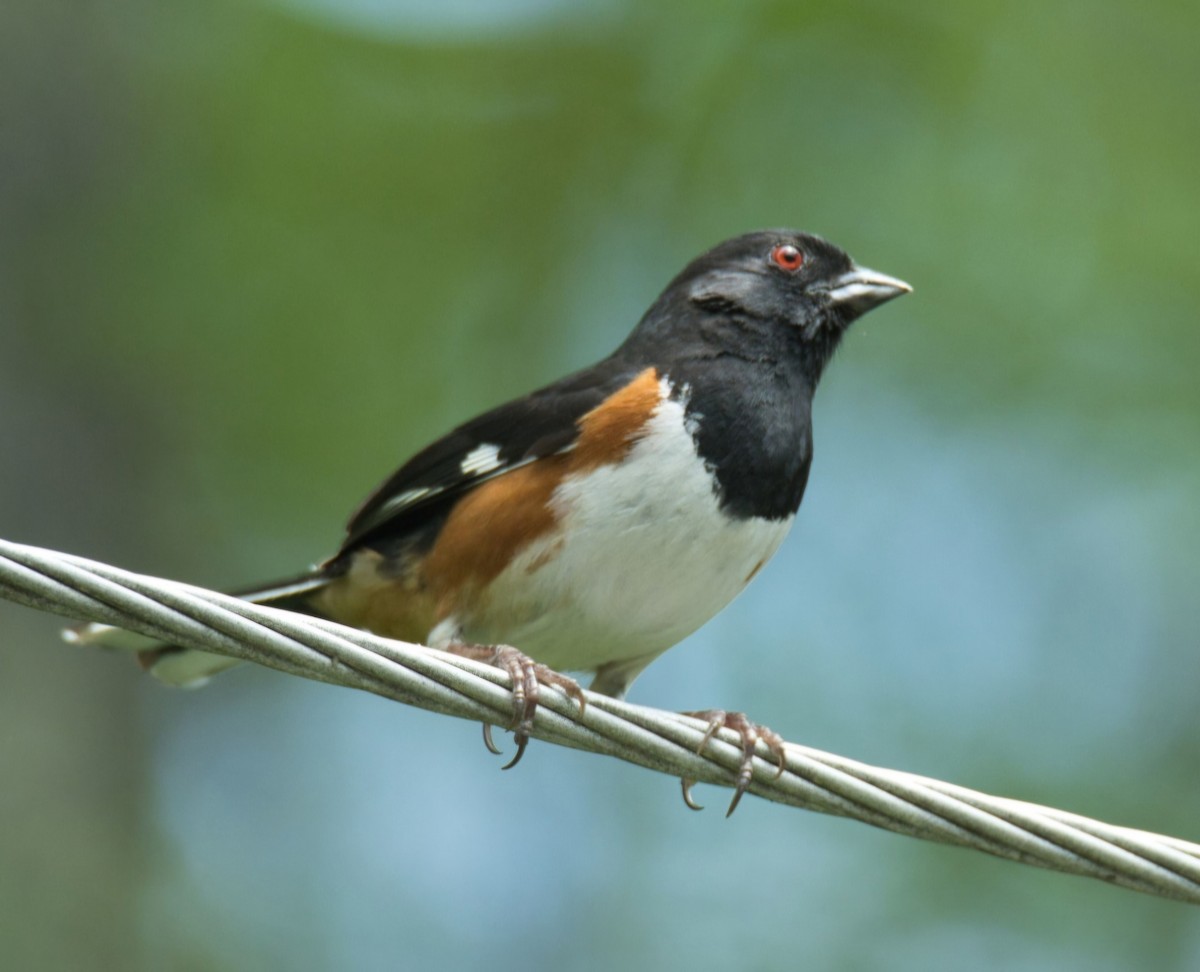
(664, 741)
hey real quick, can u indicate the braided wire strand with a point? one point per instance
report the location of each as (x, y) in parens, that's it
(665, 741)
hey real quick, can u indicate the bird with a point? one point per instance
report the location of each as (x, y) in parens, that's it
(596, 522)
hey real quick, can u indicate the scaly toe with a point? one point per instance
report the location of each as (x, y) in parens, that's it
(527, 678)
(750, 733)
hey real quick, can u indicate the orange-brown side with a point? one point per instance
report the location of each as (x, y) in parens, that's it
(608, 431)
(487, 528)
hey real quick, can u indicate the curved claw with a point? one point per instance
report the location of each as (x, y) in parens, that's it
(751, 733)
(522, 742)
(777, 750)
(737, 798)
(527, 677)
(687, 794)
(716, 720)
(571, 687)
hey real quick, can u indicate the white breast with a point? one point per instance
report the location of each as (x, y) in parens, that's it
(644, 558)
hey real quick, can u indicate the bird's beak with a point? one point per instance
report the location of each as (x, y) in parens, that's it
(860, 289)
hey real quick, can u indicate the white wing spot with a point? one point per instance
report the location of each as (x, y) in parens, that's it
(481, 460)
(407, 498)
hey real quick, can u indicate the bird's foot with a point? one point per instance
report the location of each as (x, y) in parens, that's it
(751, 733)
(527, 678)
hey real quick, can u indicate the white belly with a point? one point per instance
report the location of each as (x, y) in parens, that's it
(643, 559)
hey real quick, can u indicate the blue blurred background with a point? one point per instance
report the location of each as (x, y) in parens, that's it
(252, 254)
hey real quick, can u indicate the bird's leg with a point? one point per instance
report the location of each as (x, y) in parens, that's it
(527, 676)
(751, 733)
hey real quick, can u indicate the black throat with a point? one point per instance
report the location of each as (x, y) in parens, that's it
(747, 387)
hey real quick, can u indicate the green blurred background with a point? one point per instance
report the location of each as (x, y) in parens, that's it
(252, 254)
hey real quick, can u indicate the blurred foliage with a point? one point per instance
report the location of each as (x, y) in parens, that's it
(253, 254)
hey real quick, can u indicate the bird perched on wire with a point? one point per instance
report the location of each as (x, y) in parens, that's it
(594, 523)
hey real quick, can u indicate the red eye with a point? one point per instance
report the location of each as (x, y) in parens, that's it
(787, 257)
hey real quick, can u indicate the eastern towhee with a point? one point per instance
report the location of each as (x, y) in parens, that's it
(594, 523)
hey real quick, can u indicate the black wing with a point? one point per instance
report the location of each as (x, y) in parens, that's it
(539, 424)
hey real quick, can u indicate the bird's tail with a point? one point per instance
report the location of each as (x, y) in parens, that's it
(186, 666)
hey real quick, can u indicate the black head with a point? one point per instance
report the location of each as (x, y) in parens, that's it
(783, 285)
(786, 276)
